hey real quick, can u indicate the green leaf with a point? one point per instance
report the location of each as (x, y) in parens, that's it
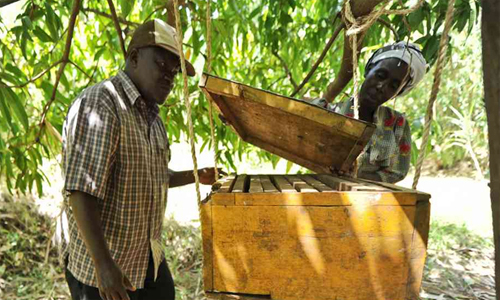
(16, 71)
(229, 159)
(289, 166)
(4, 108)
(17, 107)
(39, 185)
(126, 6)
(42, 35)
(51, 22)
(27, 22)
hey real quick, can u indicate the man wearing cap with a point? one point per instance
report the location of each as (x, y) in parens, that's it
(115, 164)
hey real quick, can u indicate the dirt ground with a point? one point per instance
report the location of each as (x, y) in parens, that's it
(458, 200)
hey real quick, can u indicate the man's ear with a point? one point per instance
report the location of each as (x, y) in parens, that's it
(133, 58)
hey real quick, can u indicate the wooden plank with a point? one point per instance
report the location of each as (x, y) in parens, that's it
(320, 186)
(296, 199)
(300, 185)
(208, 255)
(294, 253)
(226, 184)
(222, 198)
(240, 184)
(420, 195)
(255, 184)
(282, 184)
(267, 185)
(369, 186)
(418, 250)
(228, 88)
(334, 182)
(226, 296)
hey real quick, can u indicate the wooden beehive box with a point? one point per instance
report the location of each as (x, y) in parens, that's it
(307, 237)
(313, 237)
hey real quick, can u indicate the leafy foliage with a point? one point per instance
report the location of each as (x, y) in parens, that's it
(252, 40)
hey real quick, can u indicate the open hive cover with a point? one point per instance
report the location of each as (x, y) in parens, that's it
(308, 135)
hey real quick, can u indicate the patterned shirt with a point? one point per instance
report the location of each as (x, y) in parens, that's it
(388, 151)
(116, 149)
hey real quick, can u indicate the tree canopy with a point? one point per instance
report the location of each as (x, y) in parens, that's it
(52, 50)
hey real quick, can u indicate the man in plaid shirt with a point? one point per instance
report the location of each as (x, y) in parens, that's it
(115, 163)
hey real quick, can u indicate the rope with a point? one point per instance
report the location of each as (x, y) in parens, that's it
(443, 46)
(209, 69)
(186, 101)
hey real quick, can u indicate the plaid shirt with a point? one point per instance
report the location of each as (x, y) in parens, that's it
(116, 148)
(388, 152)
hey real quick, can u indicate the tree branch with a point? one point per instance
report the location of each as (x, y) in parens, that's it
(64, 62)
(6, 2)
(103, 14)
(391, 28)
(289, 74)
(359, 8)
(154, 11)
(93, 73)
(79, 68)
(117, 26)
(320, 59)
(34, 78)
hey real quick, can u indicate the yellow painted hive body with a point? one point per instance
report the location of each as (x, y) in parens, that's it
(313, 237)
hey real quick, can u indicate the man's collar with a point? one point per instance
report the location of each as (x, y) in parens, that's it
(129, 87)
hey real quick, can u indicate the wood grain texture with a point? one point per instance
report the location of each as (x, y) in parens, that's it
(206, 231)
(320, 186)
(418, 250)
(284, 244)
(312, 252)
(267, 184)
(255, 184)
(282, 184)
(300, 185)
(293, 129)
(239, 185)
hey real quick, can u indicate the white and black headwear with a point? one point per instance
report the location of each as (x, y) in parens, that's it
(409, 53)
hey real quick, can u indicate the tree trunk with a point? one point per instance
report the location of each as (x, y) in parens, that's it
(491, 71)
(359, 8)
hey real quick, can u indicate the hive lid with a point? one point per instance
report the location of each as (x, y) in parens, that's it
(313, 137)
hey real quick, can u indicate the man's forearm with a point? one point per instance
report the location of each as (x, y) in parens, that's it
(180, 178)
(86, 213)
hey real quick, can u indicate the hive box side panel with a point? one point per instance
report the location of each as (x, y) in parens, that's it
(312, 253)
(419, 249)
(206, 232)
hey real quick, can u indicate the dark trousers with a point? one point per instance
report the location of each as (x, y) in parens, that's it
(161, 289)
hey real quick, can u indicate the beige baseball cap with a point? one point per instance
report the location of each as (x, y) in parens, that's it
(157, 33)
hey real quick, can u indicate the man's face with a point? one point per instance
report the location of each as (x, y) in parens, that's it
(382, 82)
(155, 70)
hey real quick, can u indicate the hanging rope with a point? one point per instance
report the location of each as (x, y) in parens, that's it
(186, 101)
(443, 46)
(209, 69)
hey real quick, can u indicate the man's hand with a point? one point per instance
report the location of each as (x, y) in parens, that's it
(207, 175)
(112, 283)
